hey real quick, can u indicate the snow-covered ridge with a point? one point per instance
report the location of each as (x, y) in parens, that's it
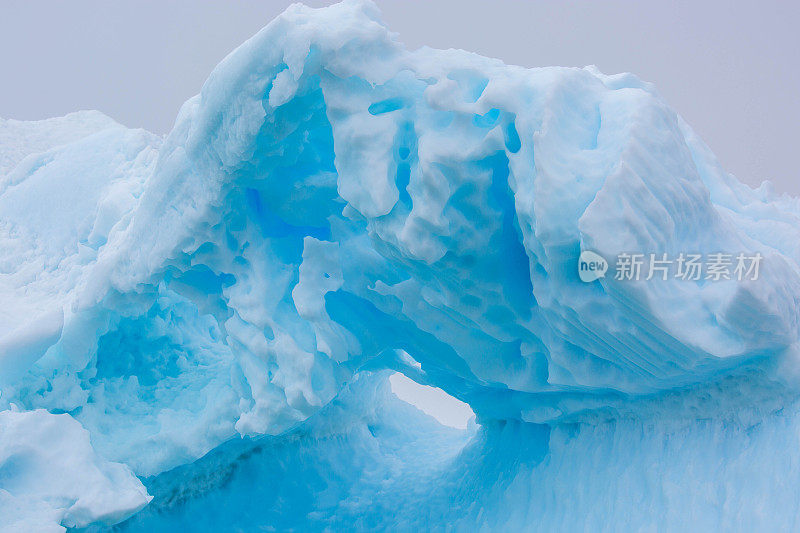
(19, 138)
(332, 204)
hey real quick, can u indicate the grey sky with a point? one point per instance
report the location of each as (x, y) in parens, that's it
(729, 67)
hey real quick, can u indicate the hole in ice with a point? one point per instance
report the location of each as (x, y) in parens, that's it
(432, 401)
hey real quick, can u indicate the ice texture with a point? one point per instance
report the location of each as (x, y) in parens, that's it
(218, 308)
(51, 477)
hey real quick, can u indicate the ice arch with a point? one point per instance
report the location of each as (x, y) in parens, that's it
(333, 206)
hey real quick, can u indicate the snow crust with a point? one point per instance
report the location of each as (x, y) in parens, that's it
(51, 477)
(19, 138)
(332, 205)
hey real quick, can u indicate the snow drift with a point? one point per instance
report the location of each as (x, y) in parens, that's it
(332, 206)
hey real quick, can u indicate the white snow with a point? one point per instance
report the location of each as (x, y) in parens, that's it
(51, 478)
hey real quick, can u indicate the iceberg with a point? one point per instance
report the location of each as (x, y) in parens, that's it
(210, 320)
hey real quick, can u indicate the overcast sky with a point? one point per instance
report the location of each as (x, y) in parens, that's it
(729, 67)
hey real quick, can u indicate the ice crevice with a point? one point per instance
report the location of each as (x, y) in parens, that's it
(215, 315)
